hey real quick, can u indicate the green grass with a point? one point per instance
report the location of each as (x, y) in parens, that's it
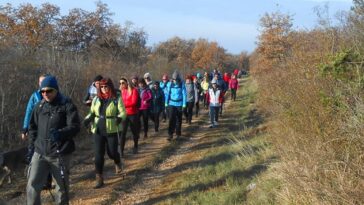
(237, 159)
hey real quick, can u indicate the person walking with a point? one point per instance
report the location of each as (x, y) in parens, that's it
(199, 92)
(175, 102)
(33, 100)
(145, 104)
(92, 91)
(130, 97)
(233, 85)
(191, 95)
(214, 97)
(157, 104)
(106, 113)
(205, 84)
(53, 124)
(163, 85)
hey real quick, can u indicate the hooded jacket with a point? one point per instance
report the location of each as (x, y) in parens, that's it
(176, 92)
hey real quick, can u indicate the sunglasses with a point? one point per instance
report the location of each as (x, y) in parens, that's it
(104, 86)
(47, 91)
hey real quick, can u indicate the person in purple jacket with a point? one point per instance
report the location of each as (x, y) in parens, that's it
(145, 104)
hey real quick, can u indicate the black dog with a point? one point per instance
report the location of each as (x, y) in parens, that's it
(10, 161)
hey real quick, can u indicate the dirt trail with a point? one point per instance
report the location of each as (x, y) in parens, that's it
(143, 173)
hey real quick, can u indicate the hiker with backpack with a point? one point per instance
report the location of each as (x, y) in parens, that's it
(92, 91)
(175, 102)
(157, 104)
(233, 85)
(199, 92)
(215, 98)
(106, 114)
(191, 95)
(223, 88)
(145, 104)
(53, 124)
(163, 85)
(131, 99)
(205, 84)
(33, 100)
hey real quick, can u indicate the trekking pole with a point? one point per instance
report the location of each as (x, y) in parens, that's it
(63, 170)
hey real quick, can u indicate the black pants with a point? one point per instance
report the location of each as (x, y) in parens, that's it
(134, 122)
(233, 94)
(189, 111)
(155, 119)
(111, 144)
(145, 115)
(164, 113)
(197, 108)
(175, 120)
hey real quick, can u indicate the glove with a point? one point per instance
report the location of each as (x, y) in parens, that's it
(54, 135)
(118, 120)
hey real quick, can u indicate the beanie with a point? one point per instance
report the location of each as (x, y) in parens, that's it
(49, 82)
(213, 81)
(175, 75)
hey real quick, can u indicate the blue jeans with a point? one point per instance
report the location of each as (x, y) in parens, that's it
(214, 114)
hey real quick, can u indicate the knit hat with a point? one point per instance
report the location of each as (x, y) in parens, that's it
(213, 81)
(147, 75)
(134, 77)
(49, 82)
(175, 75)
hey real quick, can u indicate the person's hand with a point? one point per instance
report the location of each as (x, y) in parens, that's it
(54, 135)
(24, 136)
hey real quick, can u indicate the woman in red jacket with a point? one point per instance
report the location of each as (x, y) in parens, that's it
(130, 96)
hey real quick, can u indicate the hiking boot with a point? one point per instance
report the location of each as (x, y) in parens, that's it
(118, 168)
(99, 181)
(211, 126)
(170, 137)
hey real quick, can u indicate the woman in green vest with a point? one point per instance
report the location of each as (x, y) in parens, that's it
(106, 113)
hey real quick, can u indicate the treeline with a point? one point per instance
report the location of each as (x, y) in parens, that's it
(311, 88)
(77, 46)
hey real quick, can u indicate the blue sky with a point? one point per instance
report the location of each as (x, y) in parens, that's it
(233, 24)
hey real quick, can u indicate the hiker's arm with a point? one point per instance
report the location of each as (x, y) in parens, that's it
(86, 98)
(33, 128)
(28, 112)
(121, 109)
(134, 98)
(73, 123)
(184, 96)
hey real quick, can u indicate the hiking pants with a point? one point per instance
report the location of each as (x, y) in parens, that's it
(197, 107)
(233, 94)
(189, 111)
(175, 120)
(214, 114)
(164, 113)
(39, 169)
(155, 119)
(111, 144)
(134, 122)
(145, 115)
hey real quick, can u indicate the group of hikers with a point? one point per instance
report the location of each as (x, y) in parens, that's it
(51, 120)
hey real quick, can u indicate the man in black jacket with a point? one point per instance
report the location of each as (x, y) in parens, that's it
(53, 124)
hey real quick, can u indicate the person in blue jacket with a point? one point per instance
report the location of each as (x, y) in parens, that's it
(164, 86)
(175, 102)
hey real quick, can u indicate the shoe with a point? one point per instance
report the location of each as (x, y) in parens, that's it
(170, 137)
(135, 150)
(211, 126)
(99, 181)
(216, 123)
(118, 168)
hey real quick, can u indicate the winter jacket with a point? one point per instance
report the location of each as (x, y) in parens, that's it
(91, 94)
(145, 98)
(115, 109)
(60, 114)
(205, 86)
(234, 84)
(130, 100)
(164, 87)
(191, 92)
(176, 95)
(158, 100)
(214, 97)
(33, 100)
